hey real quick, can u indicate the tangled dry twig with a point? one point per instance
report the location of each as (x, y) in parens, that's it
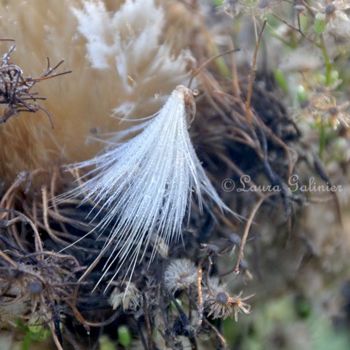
(16, 89)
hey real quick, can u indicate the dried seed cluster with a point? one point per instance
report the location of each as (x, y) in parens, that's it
(16, 90)
(182, 274)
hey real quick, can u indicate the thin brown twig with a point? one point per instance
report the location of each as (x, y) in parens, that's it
(200, 294)
(8, 259)
(148, 324)
(291, 26)
(236, 90)
(244, 238)
(54, 336)
(206, 62)
(252, 76)
(217, 333)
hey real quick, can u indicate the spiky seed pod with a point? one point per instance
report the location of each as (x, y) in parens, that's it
(180, 275)
(220, 304)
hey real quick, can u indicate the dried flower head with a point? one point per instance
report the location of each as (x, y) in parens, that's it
(325, 106)
(16, 89)
(143, 188)
(180, 275)
(130, 298)
(334, 13)
(339, 25)
(220, 304)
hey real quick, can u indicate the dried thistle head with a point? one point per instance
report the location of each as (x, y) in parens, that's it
(42, 281)
(333, 12)
(220, 304)
(325, 106)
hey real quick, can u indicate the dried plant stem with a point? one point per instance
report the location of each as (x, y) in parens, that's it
(148, 324)
(288, 150)
(23, 218)
(87, 324)
(209, 60)
(295, 29)
(236, 90)
(200, 295)
(217, 333)
(8, 259)
(20, 179)
(246, 233)
(249, 115)
(54, 336)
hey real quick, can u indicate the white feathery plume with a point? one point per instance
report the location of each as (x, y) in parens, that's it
(128, 36)
(130, 43)
(94, 24)
(144, 187)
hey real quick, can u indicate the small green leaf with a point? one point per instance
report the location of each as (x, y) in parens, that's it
(218, 3)
(302, 307)
(26, 342)
(281, 80)
(124, 336)
(320, 23)
(301, 94)
(320, 78)
(334, 76)
(38, 332)
(106, 343)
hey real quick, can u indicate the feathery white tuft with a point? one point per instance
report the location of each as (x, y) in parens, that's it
(144, 187)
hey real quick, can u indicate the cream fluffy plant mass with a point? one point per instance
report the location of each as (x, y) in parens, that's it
(120, 62)
(129, 40)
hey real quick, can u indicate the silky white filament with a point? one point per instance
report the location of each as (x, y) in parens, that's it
(143, 187)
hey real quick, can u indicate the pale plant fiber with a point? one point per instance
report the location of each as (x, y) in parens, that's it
(144, 186)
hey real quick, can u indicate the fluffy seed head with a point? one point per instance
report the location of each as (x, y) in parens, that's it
(179, 275)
